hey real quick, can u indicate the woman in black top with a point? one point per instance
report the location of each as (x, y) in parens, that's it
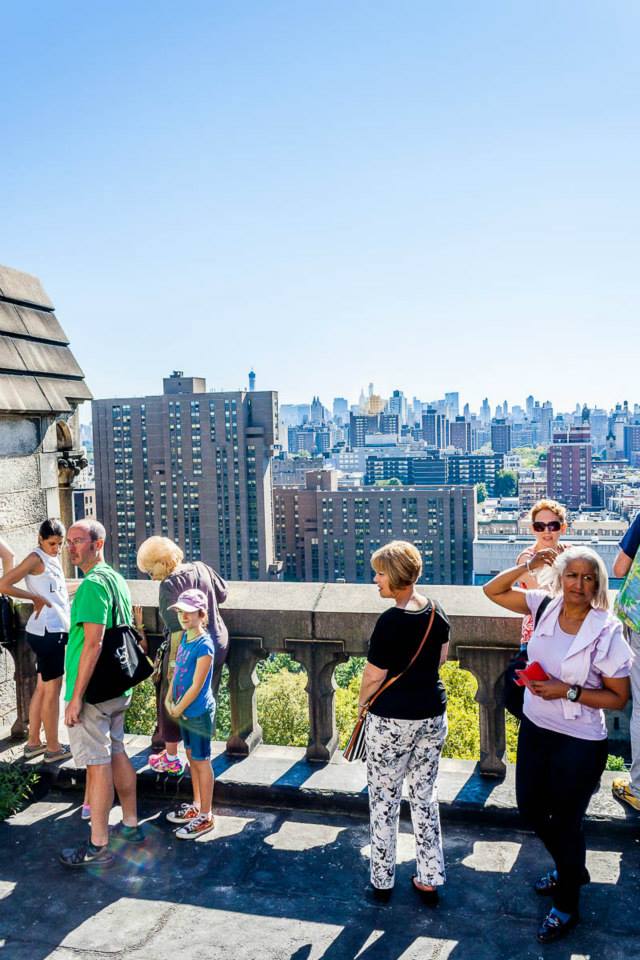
(407, 724)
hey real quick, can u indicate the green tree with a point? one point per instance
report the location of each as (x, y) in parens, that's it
(506, 483)
(283, 709)
(481, 492)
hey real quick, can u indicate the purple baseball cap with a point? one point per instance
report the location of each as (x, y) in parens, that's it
(190, 601)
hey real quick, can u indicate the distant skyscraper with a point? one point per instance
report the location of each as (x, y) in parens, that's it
(340, 410)
(452, 405)
(569, 467)
(317, 411)
(599, 429)
(460, 435)
(252, 381)
(398, 405)
(485, 412)
(435, 429)
(190, 465)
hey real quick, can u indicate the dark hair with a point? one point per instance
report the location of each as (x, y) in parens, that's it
(51, 528)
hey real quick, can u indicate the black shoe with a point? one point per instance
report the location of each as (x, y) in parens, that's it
(129, 834)
(430, 898)
(379, 894)
(553, 928)
(547, 885)
(86, 855)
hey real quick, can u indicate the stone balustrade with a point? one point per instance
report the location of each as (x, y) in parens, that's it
(320, 626)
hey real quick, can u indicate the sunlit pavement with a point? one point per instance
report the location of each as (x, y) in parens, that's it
(284, 885)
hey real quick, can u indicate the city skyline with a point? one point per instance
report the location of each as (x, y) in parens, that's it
(424, 192)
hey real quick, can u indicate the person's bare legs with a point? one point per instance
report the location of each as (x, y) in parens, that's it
(172, 749)
(35, 714)
(205, 784)
(100, 787)
(50, 712)
(195, 779)
(124, 780)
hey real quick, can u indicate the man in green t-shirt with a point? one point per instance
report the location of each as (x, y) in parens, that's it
(96, 731)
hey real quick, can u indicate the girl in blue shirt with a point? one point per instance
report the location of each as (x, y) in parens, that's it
(191, 703)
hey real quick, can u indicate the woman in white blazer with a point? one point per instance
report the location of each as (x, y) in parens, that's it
(562, 745)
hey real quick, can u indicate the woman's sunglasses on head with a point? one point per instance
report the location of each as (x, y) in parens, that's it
(540, 527)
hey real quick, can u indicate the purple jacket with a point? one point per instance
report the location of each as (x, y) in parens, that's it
(200, 576)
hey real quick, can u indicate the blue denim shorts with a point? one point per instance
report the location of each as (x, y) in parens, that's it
(197, 733)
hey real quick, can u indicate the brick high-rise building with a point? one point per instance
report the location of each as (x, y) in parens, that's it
(193, 466)
(569, 467)
(326, 534)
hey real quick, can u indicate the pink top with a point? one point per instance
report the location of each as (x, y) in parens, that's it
(598, 650)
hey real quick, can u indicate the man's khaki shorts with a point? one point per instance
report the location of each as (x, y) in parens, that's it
(100, 732)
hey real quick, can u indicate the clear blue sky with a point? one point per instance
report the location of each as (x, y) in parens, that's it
(431, 196)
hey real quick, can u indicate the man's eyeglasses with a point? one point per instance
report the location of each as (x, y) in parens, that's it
(74, 543)
(540, 527)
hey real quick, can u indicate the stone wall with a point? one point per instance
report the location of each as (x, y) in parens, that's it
(322, 625)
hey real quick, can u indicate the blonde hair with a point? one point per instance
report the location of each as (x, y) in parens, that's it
(401, 562)
(159, 556)
(553, 506)
(601, 597)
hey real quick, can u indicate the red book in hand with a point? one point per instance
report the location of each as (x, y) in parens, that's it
(533, 671)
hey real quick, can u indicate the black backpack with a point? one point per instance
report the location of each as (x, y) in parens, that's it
(122, 663)
(514, 694)
(7, 622)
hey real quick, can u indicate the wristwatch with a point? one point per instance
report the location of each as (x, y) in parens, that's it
(573, 693)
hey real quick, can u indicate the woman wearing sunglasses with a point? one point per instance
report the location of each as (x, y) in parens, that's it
(548, 523)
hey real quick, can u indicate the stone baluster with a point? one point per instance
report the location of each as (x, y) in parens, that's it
(25, 678)
(488, 664)
(320, 659)
(246, 732)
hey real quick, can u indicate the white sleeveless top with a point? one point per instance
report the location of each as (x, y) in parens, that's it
(51, 585)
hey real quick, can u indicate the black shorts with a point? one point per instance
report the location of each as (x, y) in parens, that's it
(49, 651)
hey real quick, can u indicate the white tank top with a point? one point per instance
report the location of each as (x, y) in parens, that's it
(51, 585)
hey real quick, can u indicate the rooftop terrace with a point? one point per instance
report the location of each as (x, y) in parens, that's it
(282, 874)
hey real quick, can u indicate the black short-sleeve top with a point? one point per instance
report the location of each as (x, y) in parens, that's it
(396, 636)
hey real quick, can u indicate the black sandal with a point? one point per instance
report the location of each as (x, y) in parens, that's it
(430, 898)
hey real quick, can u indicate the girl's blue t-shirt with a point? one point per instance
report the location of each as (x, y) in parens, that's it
(187, 656)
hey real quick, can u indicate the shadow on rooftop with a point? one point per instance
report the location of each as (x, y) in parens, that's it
(264, 866)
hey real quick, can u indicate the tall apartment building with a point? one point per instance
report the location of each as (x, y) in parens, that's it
(418, 470)
(500, 435)
(435, 428)
(325, 534)
(475, 468)
(569, 467)
(193, 466)
(361, 424)
(460, 435)
(631, 443)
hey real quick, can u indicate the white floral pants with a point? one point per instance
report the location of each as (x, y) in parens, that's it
(397, 749)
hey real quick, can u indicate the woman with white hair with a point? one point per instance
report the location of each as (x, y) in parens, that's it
(562, 745)
(162, 559)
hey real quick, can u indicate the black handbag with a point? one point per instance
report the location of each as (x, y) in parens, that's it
(122, 663)
(513, 693)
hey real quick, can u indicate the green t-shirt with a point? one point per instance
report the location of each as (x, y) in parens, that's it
(93, 603)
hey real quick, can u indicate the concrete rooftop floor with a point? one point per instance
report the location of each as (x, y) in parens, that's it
(273, 884)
